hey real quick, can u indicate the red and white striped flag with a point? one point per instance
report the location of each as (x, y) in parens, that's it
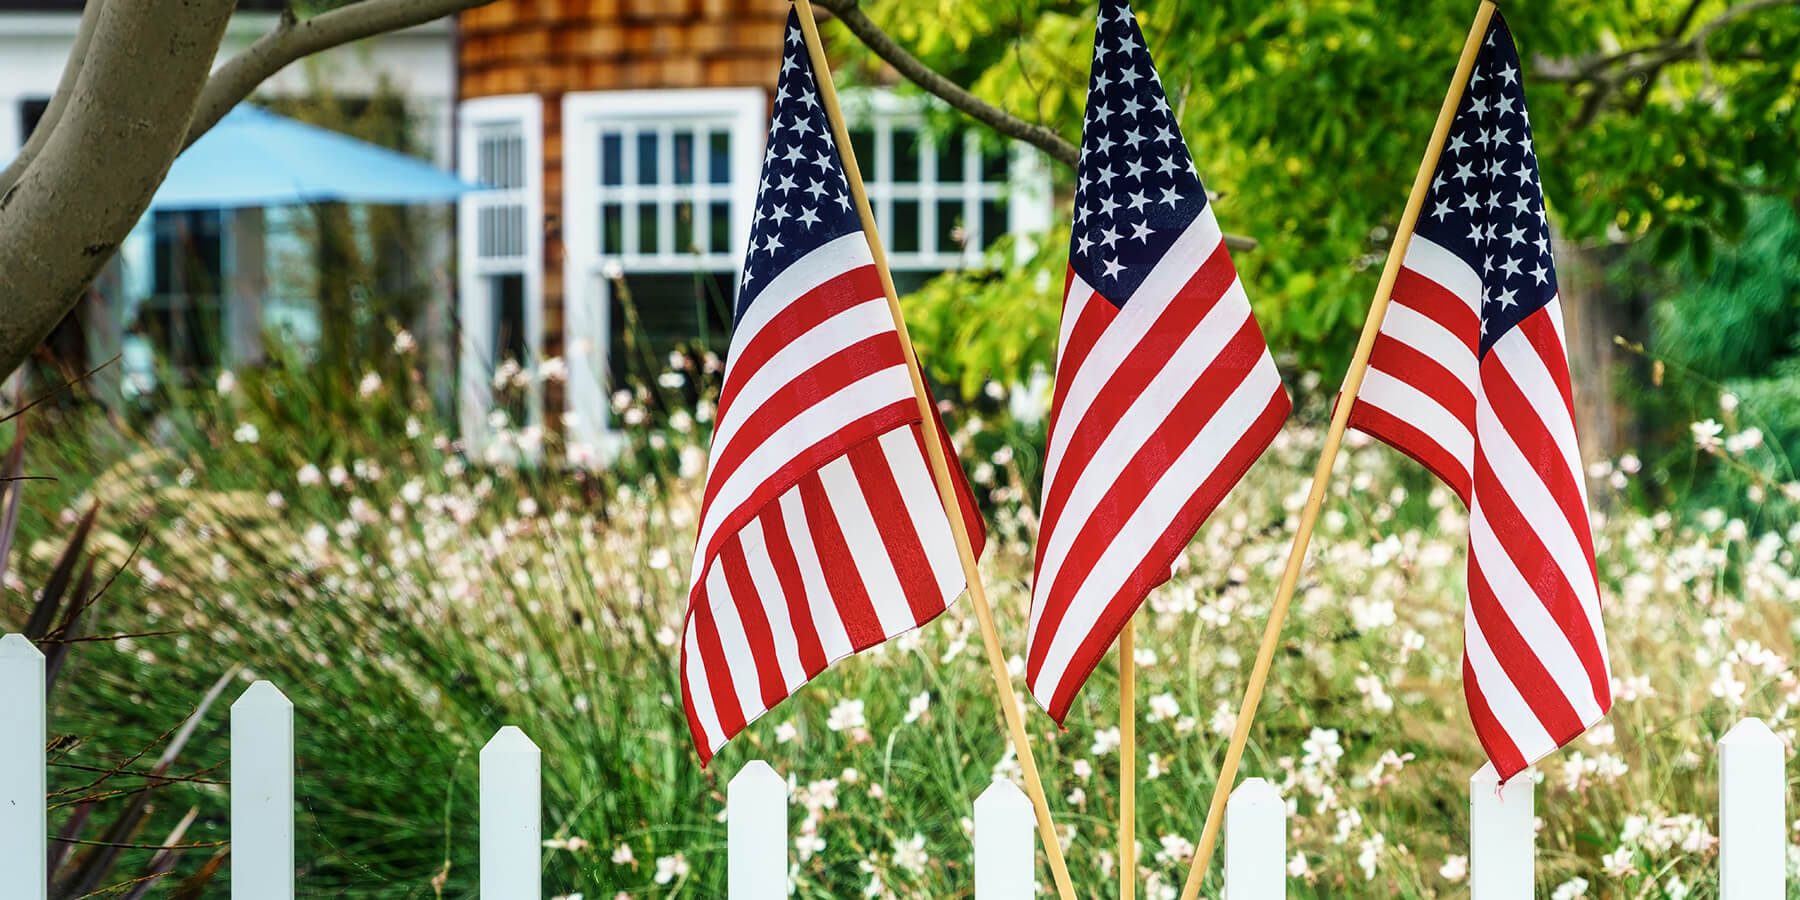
(821, 529)
(1470, 377)
(1165, 392)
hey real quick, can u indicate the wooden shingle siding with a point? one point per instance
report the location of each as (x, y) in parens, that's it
(554, 47)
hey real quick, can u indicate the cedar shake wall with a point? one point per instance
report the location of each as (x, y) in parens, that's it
(552, 47)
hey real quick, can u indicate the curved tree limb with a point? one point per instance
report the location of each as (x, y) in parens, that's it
(126, 114)
(295, 38)
(962, 99)
(78, 51)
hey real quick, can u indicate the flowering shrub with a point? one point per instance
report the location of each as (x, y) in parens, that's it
(410, 601)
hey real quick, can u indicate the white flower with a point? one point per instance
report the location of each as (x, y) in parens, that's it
(1728, 402)
(404, 343)
(370, 384)
(910, 854)
(1706, 434)
(1454, 869)
(227, 382)
(846, 716)
(786, 732)
(246, 434)
(1105, 741)
(1163, 706)
(310, 475)
(1748, 439)
(669, 868)
(1569, 890)
(918, 706)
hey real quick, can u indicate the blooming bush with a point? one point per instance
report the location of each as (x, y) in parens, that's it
(411, 600)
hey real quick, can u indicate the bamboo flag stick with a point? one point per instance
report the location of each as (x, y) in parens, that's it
(1340, 419)
(940, 467)
(1127, 763)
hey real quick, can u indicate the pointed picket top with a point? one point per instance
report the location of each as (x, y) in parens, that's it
(1005, 843)
(508, 741)
(18, 646)
(1749, 733)
(756, 826)
(261, 695)
(1255, 792)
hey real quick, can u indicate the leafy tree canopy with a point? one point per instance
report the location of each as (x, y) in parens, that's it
(1654, 119)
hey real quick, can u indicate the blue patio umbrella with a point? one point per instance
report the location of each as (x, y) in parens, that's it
(254, 157)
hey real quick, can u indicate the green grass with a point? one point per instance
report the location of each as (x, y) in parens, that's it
(416, 604)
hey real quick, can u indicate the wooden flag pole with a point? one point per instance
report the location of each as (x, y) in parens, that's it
(940, 467)
(1340, 419)
(1127, 762)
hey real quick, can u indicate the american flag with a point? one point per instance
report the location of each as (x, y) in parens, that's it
(1165, 392)
(1469, 376)
(821, 530)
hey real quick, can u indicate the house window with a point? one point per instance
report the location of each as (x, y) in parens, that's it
(500, 300)
(664, 191)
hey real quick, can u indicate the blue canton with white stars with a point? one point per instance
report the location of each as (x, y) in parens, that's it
(804, 199)
(1486, 204)
(1136, 189)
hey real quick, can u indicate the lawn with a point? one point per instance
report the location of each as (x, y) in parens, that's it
(411, 600)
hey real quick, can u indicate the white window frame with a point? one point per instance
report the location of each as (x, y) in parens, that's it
(587, 291)
(475, 392)
(1026, 190)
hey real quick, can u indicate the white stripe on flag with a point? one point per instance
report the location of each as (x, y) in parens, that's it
(1190, 251)
(774, 604)
(793, 438)
(700, 690)
(1447, 269)
(925, 508)
(1509, 708)
(740, 662)
(1437, 343)
(867, 548)
(1152, 407)
(1407, 403)
(1521, 605)
(1151, 519)
(827, 620)
(832, 259)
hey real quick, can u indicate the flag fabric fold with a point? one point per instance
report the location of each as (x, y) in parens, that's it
(821, 530)
(1165, 391)
(1470, 377)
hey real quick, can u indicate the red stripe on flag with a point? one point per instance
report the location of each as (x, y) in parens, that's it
(1160, 557)
(1097, 314)
(1500, 749)
(965, 497)
(1136, 479)
(1402, 436)
(761, 638)
(1151, 356)
(695, 731)
(882, 492)
(805, 313)
(1520, 660)
(718, 672)
(849, 594)
(1419, 293)
(793, 589)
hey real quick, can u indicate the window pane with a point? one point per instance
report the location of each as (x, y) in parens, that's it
(719, 223)
(906, 226)
(950, 226)
(648, 234)
(612, 229)
(612, 159)
(862, 141)
(993, 222)
(684, 228)
(950, 158)
(684, 157)
(906, 156)
(993, 164)
(646, 157)
(720, 157)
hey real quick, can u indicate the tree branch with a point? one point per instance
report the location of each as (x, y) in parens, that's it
(962, 99)
(78, 51)
(125, 119)
(293, 39)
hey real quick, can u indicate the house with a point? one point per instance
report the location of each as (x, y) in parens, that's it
(623, 142)
(199, 290)
(627, 137)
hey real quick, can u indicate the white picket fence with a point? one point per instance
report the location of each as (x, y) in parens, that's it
(1753, 823)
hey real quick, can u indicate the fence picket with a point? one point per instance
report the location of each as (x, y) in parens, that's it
(1005, 844)
(756, 813)
(23, 808)
(511, 817)
(1502, 828)
(1255, 842)
(1752, 813)
(262, 794)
